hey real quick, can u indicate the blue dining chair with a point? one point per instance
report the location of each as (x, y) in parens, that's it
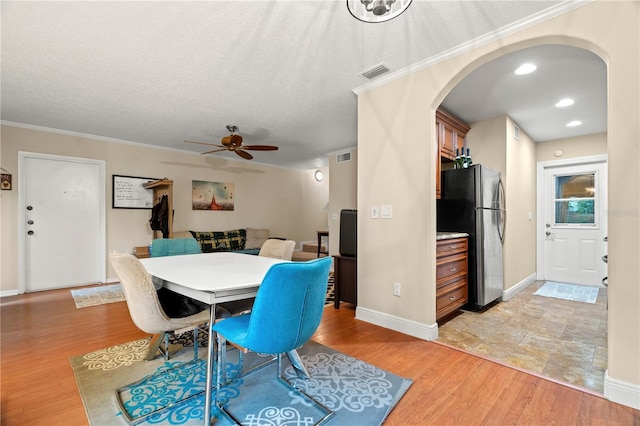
(286, 312)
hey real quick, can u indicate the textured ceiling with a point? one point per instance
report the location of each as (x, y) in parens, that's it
(284, 72)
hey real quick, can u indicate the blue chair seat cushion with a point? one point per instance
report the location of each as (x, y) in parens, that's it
(174, 247)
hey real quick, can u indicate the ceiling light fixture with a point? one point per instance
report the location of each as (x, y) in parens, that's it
(574, 123)
(377, 10)
(318, 175)
(525, 69)
(565, 102)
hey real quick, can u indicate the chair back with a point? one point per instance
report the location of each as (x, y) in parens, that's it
(278, 249)
(142, 300)
(174, 247)
(288, 307)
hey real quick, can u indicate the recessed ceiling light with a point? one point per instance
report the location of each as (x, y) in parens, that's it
(525, 69)
(574, 123)
(565, 102)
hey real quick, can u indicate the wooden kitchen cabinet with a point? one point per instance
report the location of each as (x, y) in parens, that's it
(452, 273)
(451, 132)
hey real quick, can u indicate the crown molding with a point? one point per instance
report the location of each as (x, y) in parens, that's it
(514, 27)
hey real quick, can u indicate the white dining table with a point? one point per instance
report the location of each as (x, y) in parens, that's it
(211, 278)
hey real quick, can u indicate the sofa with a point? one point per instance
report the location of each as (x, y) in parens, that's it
(247, 240)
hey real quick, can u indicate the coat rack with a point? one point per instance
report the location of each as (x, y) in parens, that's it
(162, 187)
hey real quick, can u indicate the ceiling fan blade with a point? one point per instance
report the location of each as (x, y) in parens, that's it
(215, 150)
(243, 154)
(202, 143)
(261, 147)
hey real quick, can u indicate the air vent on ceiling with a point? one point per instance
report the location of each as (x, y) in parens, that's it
(376, 71)
(345, 156)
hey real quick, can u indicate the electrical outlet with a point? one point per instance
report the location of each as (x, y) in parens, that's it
(396, 289)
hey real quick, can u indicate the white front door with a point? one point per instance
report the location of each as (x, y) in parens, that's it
(575, 223)
(61, 221)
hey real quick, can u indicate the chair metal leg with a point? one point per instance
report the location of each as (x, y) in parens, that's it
(300, 369)
(327, 412)
(297, 364)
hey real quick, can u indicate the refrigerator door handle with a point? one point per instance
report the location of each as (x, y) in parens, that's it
(502, 211)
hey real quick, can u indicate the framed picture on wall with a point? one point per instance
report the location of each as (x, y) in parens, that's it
(128, 192)
(212, 195)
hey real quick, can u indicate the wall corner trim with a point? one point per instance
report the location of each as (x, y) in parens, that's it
(511, 292)
(402, 325)
(624, 393)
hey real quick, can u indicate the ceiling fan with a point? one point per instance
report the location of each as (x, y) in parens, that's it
(233, 142)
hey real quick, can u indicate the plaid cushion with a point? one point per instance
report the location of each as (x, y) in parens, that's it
(221, 241)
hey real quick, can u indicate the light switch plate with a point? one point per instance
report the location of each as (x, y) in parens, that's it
(386, 211)
(374, 212)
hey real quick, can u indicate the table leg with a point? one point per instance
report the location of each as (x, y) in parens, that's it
(319, 243)
(207, 393)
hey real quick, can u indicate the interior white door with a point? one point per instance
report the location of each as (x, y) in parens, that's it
(62, 221)
(575, 223)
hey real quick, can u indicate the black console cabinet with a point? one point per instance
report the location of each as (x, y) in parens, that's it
(346, 280)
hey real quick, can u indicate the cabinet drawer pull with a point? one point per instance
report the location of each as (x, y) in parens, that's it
(452, 269)
(452, 298)
(453, 247)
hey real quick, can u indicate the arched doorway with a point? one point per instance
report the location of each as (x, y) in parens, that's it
(560, 340)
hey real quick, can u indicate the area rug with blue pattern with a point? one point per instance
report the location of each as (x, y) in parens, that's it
(358, 393)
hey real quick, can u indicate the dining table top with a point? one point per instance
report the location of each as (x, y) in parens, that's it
(211, 277)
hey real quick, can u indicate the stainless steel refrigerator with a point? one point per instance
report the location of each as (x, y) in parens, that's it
(472, 201)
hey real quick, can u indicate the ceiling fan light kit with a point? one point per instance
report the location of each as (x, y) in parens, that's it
(377, 10)
(233, 142)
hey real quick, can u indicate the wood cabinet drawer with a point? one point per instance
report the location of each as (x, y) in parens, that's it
(451, 297)
(451, 246)
(455, 266)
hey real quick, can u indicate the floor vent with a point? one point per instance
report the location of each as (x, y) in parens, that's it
(376, 71)
(345, 156)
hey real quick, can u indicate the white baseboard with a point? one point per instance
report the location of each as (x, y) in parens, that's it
(9, 293)
(402, 325)
(514, 290)
(621, 392)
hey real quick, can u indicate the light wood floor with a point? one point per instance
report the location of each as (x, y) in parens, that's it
(40, 331)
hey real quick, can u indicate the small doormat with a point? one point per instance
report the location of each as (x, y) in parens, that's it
(94, 296)
(577, 293)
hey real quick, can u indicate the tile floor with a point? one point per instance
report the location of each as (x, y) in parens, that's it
(560, 339)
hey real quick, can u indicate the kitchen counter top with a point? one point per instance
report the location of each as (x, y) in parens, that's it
(450, 235)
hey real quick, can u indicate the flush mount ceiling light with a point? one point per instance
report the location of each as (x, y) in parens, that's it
(318, 175)
(377, 10)
(565, 102)
(525, 69)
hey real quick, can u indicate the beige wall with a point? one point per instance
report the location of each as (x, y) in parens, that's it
(397, 122)
(343, 194)
(288, 202)
(581, 146)
(520, 189)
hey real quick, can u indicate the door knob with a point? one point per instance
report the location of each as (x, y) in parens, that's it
(548, 225)
(29, 207)
(30, 232)
(547, 233)
(29, 222)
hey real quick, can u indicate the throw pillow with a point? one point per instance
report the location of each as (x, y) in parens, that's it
(220, 241)
(256, 237)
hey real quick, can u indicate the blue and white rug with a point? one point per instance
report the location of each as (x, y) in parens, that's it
(358, 393)
(577, 293)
